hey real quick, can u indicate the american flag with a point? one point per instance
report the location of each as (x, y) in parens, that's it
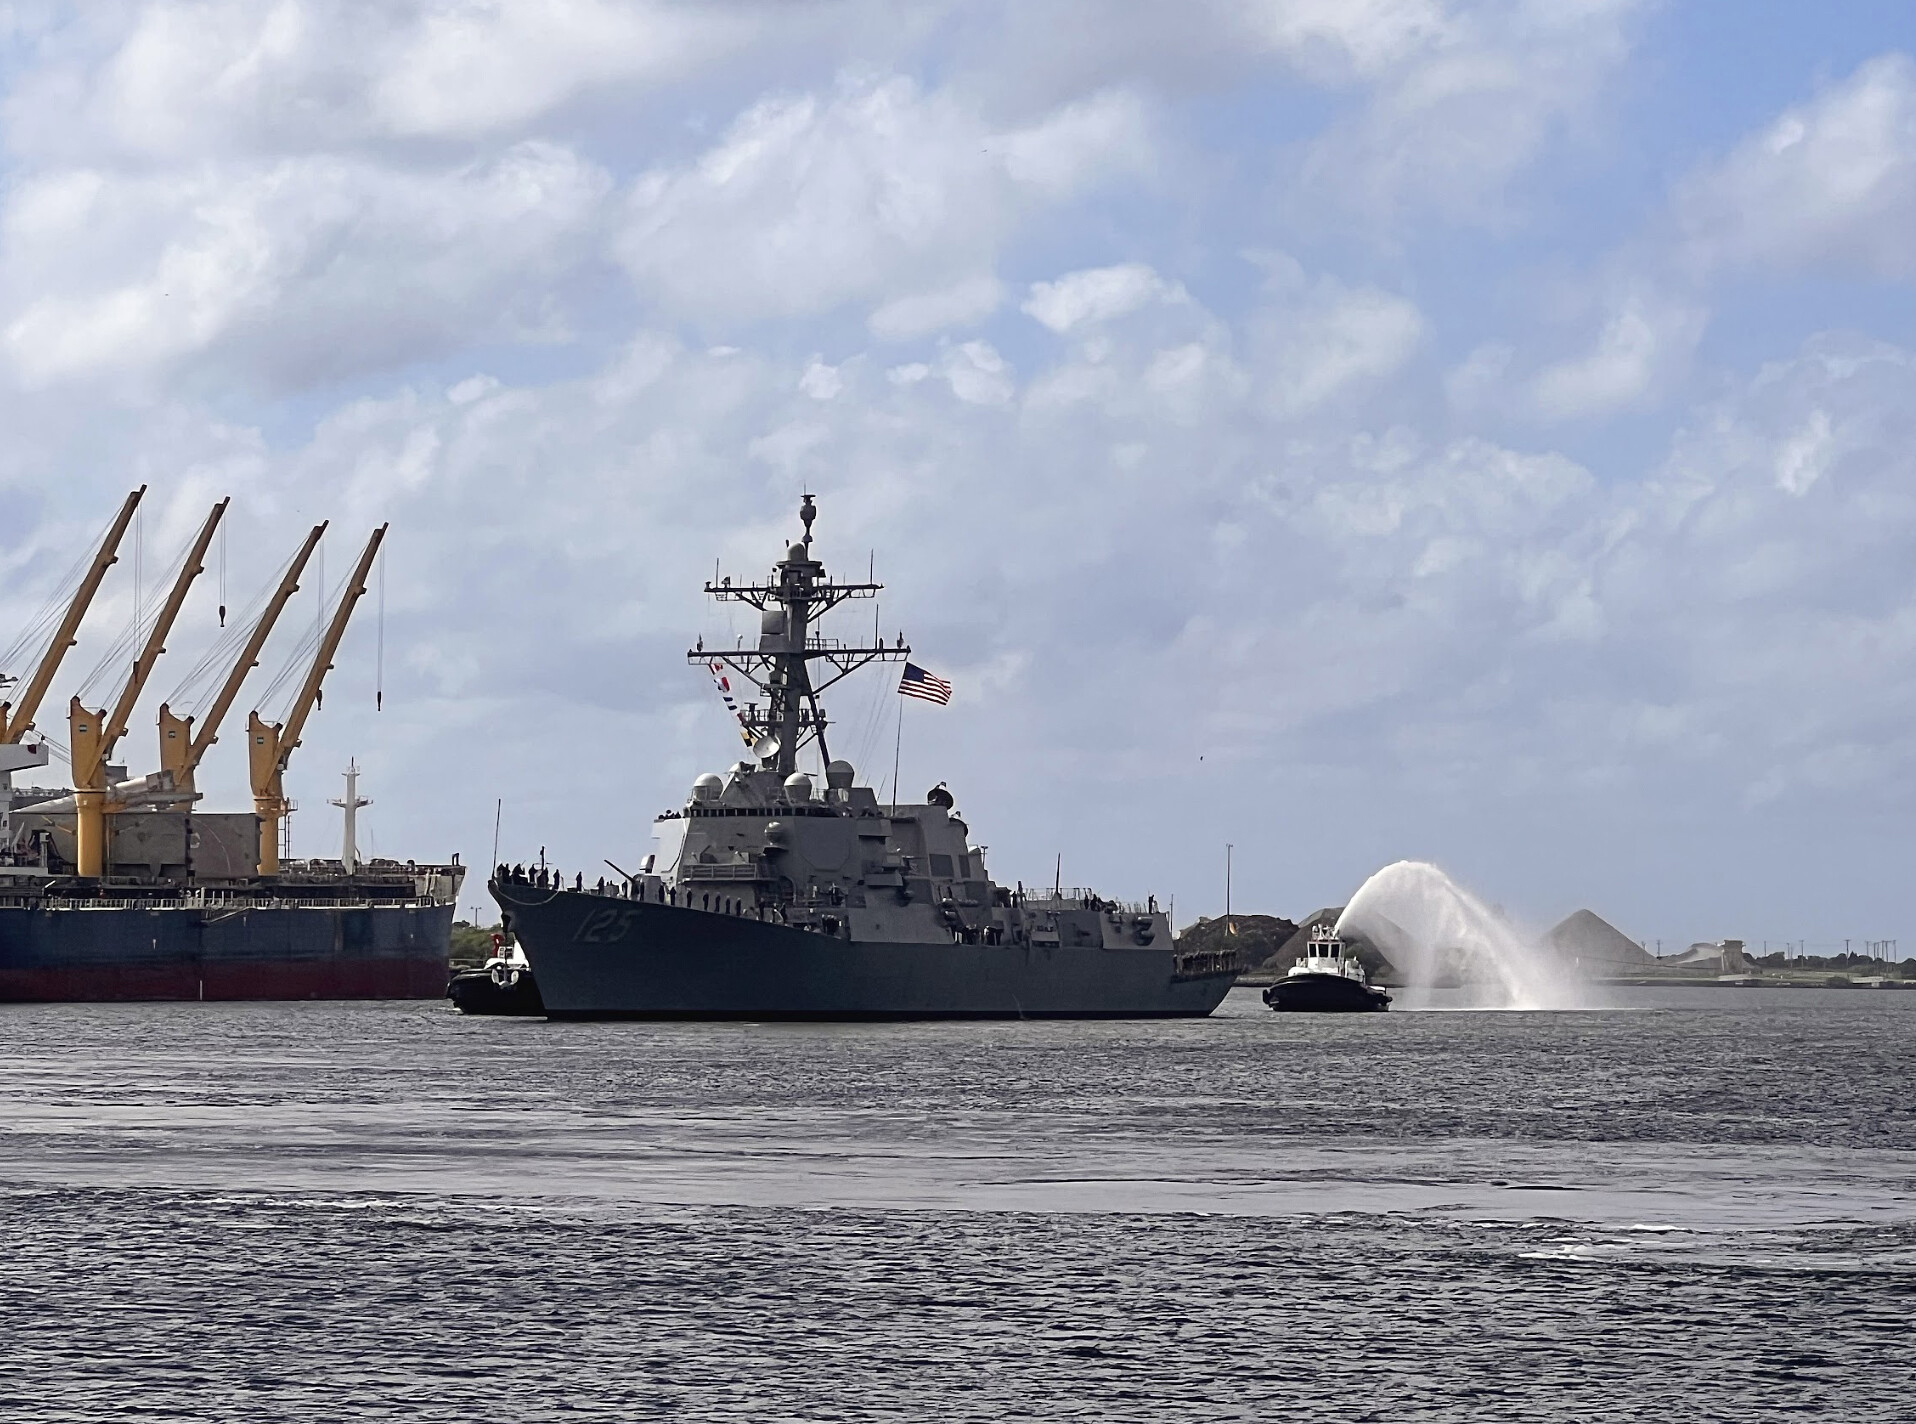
(918, 683)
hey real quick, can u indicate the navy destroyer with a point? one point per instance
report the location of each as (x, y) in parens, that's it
(772, 896)
(121, 888)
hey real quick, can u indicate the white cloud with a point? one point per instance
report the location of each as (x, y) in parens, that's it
(1645, 342)
(820, 381)
(1096, 294)
(197, 78)
(1830, 183)
(1105, 136)
(878, 189)
(1460, 98)
(1805, 457)
(467, 68)
(1323, 340)
(964, 303)
(300, 267)
(1335, 39)
(978, 374)
(1769, 546)
(1477, 382)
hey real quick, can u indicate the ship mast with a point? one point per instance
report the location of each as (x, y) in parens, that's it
(781, 666)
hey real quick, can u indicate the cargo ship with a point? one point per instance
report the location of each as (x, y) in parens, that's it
(774, 894)
(120, 888)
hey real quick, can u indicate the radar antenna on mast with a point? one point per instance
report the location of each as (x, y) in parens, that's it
(797, 595)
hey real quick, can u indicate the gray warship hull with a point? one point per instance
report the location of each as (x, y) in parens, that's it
(607, 957)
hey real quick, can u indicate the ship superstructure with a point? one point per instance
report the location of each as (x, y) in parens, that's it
(122, 887)
(775, 894)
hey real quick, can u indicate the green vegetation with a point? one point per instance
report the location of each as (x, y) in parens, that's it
(1851, 964)
(470, 944)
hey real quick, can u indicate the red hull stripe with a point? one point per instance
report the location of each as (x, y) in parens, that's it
(422, 978)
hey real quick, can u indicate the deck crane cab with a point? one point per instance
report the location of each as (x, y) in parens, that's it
(16, 718)
(94, 734)
(270, 746)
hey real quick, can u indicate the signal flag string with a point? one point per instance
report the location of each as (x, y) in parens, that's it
(724, 686)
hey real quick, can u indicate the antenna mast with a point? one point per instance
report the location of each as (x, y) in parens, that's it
(797, 596)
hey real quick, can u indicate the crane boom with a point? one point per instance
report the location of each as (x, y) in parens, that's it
(95, 734)
(16, 719)
(112, 725)
(181, 747)
(269, 747)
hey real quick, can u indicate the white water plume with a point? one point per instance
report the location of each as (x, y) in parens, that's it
(1439, 935)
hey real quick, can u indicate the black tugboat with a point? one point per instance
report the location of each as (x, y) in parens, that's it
(1327, 980)
(503, 986)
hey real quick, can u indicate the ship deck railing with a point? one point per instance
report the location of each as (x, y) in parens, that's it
(1078, 898)
(721, 870)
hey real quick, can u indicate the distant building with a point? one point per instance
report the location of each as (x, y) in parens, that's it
(1724, 955)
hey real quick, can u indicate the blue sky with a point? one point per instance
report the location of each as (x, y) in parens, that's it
(1350, 430)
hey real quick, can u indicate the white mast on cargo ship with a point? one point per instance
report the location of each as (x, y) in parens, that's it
(348, 841)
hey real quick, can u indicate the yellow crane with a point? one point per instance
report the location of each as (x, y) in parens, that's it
(269, 747)
(181, 747)
(95, 734)
(16, 719)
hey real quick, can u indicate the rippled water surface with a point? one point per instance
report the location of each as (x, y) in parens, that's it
(1698, 1205)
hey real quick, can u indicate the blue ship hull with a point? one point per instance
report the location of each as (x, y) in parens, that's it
(69, 953)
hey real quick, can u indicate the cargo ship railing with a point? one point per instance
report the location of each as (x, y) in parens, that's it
(421, 887)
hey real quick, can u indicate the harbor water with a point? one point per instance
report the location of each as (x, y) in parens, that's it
(1698, 1203)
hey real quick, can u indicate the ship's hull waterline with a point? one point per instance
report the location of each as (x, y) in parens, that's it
(607, 957)
(189, 953)
(1325, 994)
